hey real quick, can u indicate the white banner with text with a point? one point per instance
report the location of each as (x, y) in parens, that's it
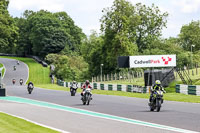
(152, 61)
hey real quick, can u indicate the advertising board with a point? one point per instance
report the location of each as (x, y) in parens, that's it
(152, 61)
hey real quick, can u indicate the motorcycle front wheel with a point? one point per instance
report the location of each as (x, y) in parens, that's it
(158, 105)
(88, 99)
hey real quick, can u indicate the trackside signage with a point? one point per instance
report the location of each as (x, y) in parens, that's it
(152, 61)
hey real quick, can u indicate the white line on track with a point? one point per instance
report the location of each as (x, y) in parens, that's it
(59, 130)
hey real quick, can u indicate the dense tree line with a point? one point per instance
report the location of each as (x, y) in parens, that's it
(126, 29)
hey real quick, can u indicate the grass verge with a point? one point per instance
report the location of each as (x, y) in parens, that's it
(3, 70)
(168, 96)
(10, 124)
(37, 73)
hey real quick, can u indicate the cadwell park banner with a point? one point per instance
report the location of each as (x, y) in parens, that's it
(152, 61)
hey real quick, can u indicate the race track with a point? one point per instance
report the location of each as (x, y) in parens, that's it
(173, 114)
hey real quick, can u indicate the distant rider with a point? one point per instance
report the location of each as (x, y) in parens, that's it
(157, 86)
(14, 67)
(13, 81)
(21, 81)
(85, 86)
(74, 85)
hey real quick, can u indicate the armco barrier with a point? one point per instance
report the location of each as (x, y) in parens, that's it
(177, 88)
(191, 89)
(102, 86)
(94, 85)
(110, 87)
(129, 88)
(188, 89)
(119, 87)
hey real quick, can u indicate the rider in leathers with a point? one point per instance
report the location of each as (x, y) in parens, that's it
(85, 86)
(157, 86)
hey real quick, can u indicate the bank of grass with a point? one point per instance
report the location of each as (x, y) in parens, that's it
(168, 96)
(37, 73)
(3, 70)
(10, 124)
(135, 81)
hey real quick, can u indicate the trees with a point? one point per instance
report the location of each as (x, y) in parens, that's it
(69, 67)
(8, 29)
(44, 32)
(151, 22)
(129, 30)
(190, 35)
(118, 24)
(75, 33)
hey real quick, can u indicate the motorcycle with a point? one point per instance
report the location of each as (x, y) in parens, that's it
(73, 89)
(156, 101)
(87, 96)
(21, 81)
(30, 88)
(17, 62)
(14, 68)
(13, 81)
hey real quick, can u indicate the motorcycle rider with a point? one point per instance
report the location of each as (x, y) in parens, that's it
(85, 86)
(30, 84)
(157, 86)
(74, 85)
(13, 81)
(14, 68)
(21, 81)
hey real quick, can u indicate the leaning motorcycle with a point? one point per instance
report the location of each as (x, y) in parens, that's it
(30, 88)
(156, 101)
(87, 96)
(73, 90)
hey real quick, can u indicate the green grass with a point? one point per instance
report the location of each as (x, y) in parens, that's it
(135, 81)
(168, 96)
(10, 124)
(37, 73)
(3, 71)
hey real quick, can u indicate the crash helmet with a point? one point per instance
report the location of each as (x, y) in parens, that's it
(87, 82)
(157, 82)
(74, 82)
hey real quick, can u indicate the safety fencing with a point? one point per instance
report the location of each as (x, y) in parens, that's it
(110, 87)
(188, 89)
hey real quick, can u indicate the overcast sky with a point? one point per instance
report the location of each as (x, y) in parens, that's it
(86, 13)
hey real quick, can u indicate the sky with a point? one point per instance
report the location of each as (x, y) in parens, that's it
(87, 13)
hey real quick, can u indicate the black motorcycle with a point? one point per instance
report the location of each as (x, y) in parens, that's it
(87, 96)
(30, 88)
(73, 90)
(156, 101)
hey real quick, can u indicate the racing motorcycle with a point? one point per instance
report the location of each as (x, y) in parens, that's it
(14, 68)
(156, 101)
(13, 81)
(30, 88)
(87, 96)
(21, 81)
(73, 89)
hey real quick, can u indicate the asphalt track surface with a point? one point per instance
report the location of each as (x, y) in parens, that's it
(175, 114)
